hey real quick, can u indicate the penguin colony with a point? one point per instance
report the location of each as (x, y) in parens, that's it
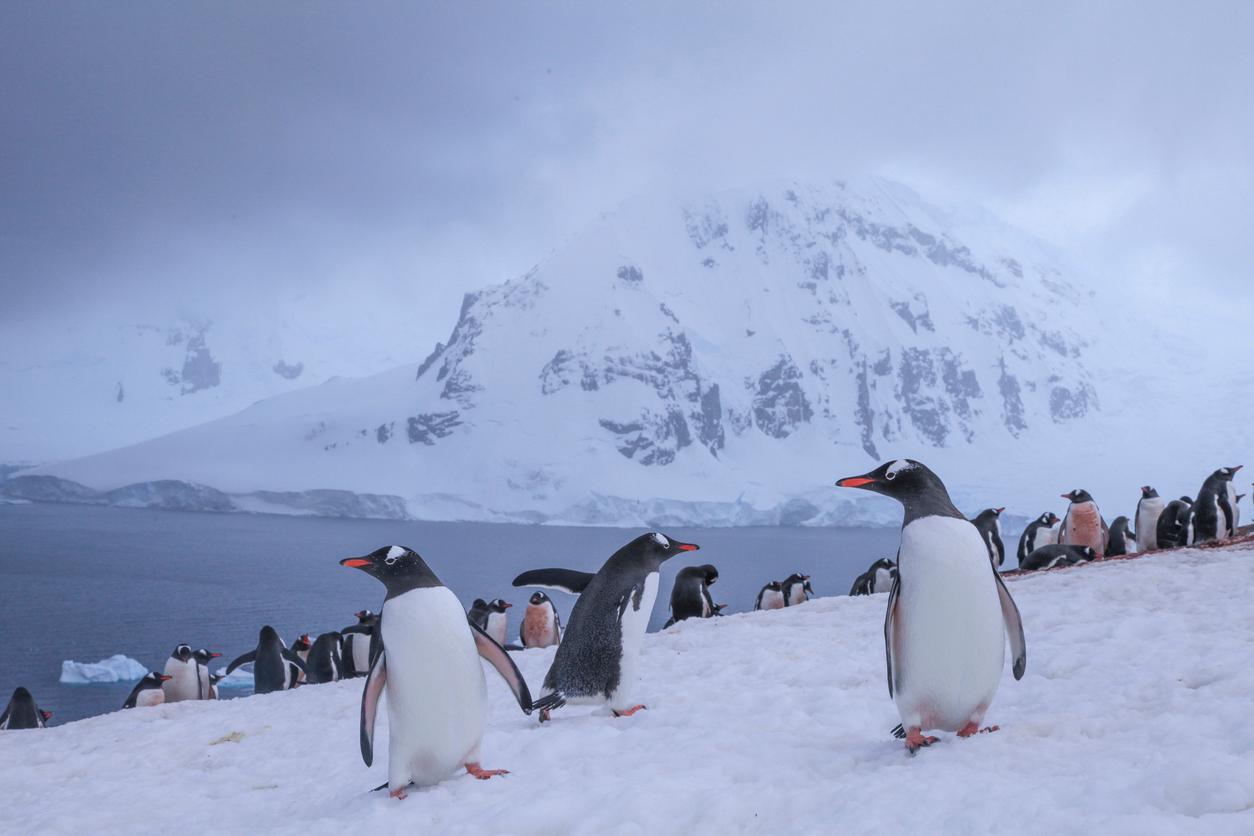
(948, 619)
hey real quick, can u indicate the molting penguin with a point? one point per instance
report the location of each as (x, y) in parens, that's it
(275, 668)
(325, 663)
(184, 681)
(690, 596)
(491, 618)
(147, 692)
(1038, 533)
(1083, 524)
(1056, 554)
(1175, 527)
(1213, 517)
(541, 625)
(437, 697)
(879, 578)
(988, 523)
(770, 597)
(1122, 540)
(23, 713)
(797, 589)
(202, 658)
(598, 657)
(360, 643)
(1148, 509)
(948, 612)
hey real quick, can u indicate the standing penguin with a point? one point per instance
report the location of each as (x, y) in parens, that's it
(360, 643)
(214, 679)
(1083, 524)
(1175, 526)
(690, 596)
(541, 625)
(948, 613)
(490, 617)
(1148, 509)
(437, 697)
(1038, 533)
(202, 658)
(1122, 541)
(797, 589)
(301, 648)
(879, 578)
(770, 597)
(598, 657)
(275, 668)
(1213, 517)
(147, 692)
(1236, 511)
(988, 523)
(184, 681)
(325, 663)
(23, 713)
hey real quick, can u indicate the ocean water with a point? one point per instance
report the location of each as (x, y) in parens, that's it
(84, 582)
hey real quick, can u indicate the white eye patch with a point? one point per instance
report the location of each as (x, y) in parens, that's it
(899, 466)
(661, 540)
(394, 554)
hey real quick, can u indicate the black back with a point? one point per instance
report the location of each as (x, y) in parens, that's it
(1056, 552)
(22, 712)
(1120, 536)
(691, 595)
(325, 662)
(986, 522)
(1173, 524)
(150, 681)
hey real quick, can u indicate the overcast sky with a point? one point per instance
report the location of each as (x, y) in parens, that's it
(172, 150)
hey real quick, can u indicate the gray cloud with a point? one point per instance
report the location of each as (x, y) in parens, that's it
(186, 150)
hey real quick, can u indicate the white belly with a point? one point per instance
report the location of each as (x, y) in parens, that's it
(436, 694)
(150, 697)
(772, 600)
(951, 644)
(635, 622)
(361, 651)
(1147, 514)
(183, 683)
(797, 594)
(883, 581)
(497, 624)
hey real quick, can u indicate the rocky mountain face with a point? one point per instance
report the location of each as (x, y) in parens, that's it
(718, 360)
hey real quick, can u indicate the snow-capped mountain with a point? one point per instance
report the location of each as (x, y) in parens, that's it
(718, 361)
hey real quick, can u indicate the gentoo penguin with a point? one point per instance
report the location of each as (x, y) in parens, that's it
(541, 625)
(275, 668)
(690, 596)
(437, 697)
(1175, 528)
(23, 713)
(324, 663)
(1056, 554)
(1122, 541)
(184, 681)
(202, 658)
(1083, 525)
(214, 679)
(1038, 533)
(147, 692)
(490, 617)
(879, 578)
(797, 589)
(1236, 510)
(360, 643)
(988, 523)
(599, 654)
(770, 597)
(301, 648)
(948, 613)
(1148, 509)
(1212, 512)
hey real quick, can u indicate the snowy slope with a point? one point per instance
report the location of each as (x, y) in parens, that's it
(1132, 718)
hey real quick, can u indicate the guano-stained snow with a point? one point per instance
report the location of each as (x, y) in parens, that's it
(1132, 718)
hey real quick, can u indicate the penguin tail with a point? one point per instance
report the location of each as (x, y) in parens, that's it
(549, 702)
(899, 732)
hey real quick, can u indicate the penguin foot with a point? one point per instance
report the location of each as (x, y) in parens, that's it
(484, 774)
(399, 793)
(916, 740)
(545, 715)
(971, 729)
(628, 712)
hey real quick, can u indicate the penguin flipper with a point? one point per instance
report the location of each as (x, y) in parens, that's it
(370, 704)
(564, 580)
(1014, 629)
(294, 659)
(890, 631)
(250, 656)
(499, 659)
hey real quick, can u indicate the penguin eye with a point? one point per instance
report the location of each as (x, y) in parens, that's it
(890, 475)
(389, 560)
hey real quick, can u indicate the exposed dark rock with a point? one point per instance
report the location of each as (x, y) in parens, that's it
(430, 426)
(383, 432)
(39, 488)
(779, 403)
(288, 371)
(200, 370)
(630, 273)
(335, 503)
(170, 495)
(1012, 402)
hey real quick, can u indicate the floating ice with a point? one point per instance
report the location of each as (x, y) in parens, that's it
(116, 668)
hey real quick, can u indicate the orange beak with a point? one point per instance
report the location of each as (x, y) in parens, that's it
(854, 482)
(355, 562)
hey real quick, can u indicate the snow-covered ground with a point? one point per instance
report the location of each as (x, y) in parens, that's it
(1133, 718)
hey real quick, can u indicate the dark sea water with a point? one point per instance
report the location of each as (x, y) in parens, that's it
(84, 582)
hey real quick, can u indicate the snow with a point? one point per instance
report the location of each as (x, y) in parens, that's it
(1132, 718)
(117, 668)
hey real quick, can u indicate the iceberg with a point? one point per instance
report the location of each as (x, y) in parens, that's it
(116, 668)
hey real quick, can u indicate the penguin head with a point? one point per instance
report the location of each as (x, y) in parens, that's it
(499, 605)
(1086, 552)
(153, 679)
(656, 547)
(538, 599)
(796, 577)
(1078, 495)
(1240, 497)
(1148, 492)
(203, 656)
(1187, 500)
(303, 642)
(1226, 473)
(1048, 518)
(363, 616)
(911, 483)
(711, 574)
(775, 586)
(399, 568)
(183, 653)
